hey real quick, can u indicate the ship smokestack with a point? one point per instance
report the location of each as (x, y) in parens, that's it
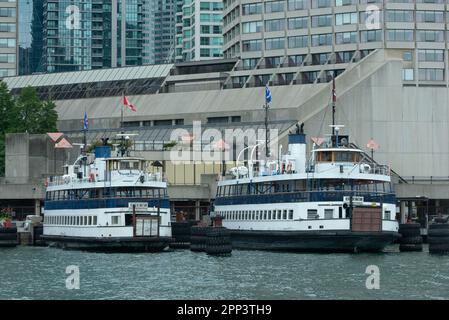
(297, 149)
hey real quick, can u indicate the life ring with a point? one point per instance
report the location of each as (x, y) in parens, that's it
(92, 177)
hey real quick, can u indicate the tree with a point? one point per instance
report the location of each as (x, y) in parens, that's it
(6, 106)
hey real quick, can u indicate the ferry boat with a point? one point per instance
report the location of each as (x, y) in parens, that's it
(106, 203)
(338, 200)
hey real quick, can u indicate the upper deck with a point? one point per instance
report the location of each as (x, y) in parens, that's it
(325, 163)
(107, 172)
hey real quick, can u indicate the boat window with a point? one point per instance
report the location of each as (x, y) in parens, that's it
(115, 220)
(90, 221)
(387, 215)
(340, 212)
(328, 213)
(312, 214)
(284, 216)
(265, 215)
(325, 156)
(290, 214)
(343, 156)
(129, 165)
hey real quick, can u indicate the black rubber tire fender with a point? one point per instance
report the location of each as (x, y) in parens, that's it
(438, 240)
(411, 240)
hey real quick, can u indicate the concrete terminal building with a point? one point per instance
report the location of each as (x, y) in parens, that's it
(410, 121)
(390, 59)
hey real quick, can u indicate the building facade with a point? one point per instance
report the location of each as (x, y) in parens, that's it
(30, 36)
(159, 31)
(92, 34)
(199, 30)
(279, 34)
(409, 122)
(8, 38)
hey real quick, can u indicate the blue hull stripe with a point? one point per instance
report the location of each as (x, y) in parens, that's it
(104, 203)
(301, 197)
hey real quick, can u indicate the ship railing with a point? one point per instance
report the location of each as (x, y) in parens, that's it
(374, 168)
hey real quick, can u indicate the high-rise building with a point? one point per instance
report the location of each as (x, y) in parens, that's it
(8, 36)
(92, 34)
(199, 30)
(273, 34)
(159, 31)
(30, 36)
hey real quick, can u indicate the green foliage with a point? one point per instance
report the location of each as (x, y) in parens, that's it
(5, 214)
(169, 145)
(26, 113)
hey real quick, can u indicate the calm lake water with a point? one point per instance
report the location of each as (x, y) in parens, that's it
(39, 273)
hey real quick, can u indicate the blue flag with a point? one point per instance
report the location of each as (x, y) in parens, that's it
(267, 95)
(86, 121)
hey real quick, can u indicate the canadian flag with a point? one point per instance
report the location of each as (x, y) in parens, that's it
(128, 105)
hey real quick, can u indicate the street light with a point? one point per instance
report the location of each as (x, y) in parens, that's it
(261, 142)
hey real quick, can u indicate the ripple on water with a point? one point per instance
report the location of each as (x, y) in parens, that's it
(39, 273)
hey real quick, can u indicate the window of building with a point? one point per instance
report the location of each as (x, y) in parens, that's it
(430, 16)
(346, 18)
(345, 37)
(217, 119)
(253, 8)
(321, 40)
(274, 25)
(298, 4)
(431, 74)
(430, 35)
(407, 56)
(252, 45)
(399, 15)
(340, 3)
(298, 42)
(274, 6)
(252, 27)
(321, 3)
(321, 21)
(274, 43)
(371, 35)
(430, 55)
(298, 23)
(400, 35)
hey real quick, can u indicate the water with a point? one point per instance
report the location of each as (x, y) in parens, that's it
(39, 273)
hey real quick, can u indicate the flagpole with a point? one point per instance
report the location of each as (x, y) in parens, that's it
(333, 104)
(267, 151)
(122, 138)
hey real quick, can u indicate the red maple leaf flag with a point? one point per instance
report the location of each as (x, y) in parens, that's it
(129, 105)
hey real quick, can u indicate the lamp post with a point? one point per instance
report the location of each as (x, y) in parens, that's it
(261, 142)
